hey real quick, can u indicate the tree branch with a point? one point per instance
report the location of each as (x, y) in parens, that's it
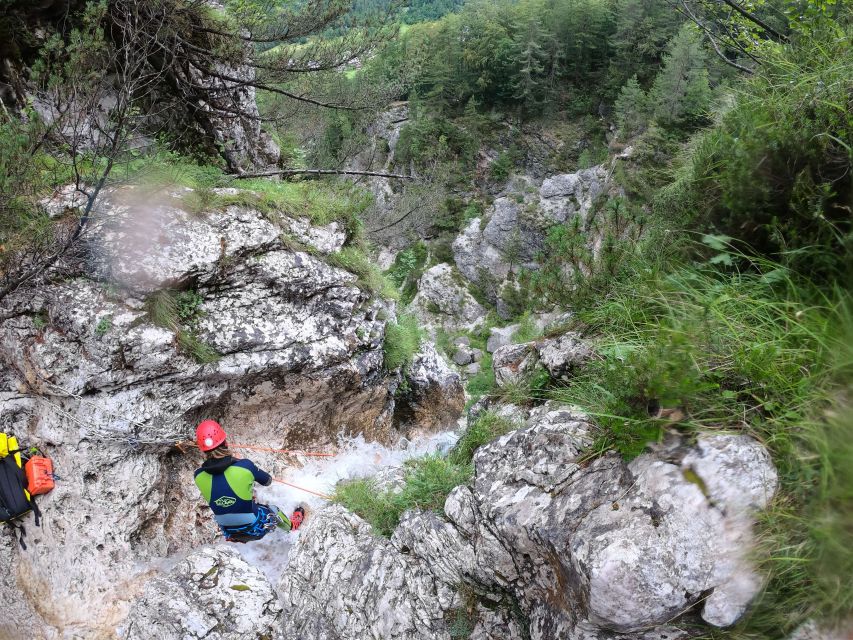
(756, 20)
(319, 172)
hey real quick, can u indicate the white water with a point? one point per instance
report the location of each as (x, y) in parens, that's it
(355, 459)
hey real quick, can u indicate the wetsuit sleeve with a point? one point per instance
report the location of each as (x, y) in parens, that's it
(261, 477)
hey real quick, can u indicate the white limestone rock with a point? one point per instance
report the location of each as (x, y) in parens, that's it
(213, 594)
(444, 300)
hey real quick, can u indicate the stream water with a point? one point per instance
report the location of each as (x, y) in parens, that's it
(355, 459)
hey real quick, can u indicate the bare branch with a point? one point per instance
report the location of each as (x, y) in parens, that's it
(320, 172)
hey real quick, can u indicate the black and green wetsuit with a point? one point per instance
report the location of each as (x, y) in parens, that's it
(227, 484)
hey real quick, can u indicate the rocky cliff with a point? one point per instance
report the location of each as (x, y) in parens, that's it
(164, 317)
(550, 543)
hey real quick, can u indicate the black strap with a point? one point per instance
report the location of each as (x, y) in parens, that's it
(36, 511)
(19, 532)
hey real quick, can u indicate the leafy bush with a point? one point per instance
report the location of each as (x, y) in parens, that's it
(407, 269)
(502, 167)
(402, 341)
(429, 140)
(179, 312)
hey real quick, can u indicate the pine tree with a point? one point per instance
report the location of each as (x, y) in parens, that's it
(631, 109)
(681, 94)
(531, 66)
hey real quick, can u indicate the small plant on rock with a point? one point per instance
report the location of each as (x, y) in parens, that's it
(104, 325)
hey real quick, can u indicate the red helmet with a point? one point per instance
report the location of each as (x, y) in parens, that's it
(209, 435)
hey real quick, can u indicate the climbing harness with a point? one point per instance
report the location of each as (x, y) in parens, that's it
(265, 521)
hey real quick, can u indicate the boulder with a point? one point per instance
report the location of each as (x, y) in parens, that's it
(463, 356)
(433, 396)
(325, 240)
(549, 543)
(514, 229)
(500, 336)
(513, 363)
(472, 369)
(212, 594)
(811, 630)
(352, 585)
(444, 300)
(561, 355)
(638, 544)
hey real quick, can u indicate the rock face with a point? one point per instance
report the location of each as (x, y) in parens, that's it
(638, 544)
(513, 230)
(597, 549)
(558, 356)
(352, 585)
(433, 396)
(87, 375)
(444, 300)
(213, 594)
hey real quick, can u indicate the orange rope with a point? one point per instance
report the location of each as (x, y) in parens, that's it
(316, 493)
(316, 454)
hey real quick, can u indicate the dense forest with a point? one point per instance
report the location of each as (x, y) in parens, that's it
(720, 282)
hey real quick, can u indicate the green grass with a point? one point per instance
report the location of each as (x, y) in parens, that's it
(370, 277)
(407, 269)
(527, 329)
(179, 312)
(762, 352)
(402, 341)
(485, 429)
(427, 483)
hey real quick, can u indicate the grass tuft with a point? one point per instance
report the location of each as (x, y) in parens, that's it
(179, 312)
(370, 277)
(402, 341)
(428, 480)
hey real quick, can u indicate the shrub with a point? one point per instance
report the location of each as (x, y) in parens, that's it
(483, 383)
(777, 170)
(402, 341)
(104, 325)
(407, 269)
(179, 312)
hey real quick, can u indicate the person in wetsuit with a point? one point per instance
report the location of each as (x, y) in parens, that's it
(227, 484)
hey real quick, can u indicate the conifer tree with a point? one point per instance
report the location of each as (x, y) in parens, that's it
(531, 66)
(632, 108)
(681, 94)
